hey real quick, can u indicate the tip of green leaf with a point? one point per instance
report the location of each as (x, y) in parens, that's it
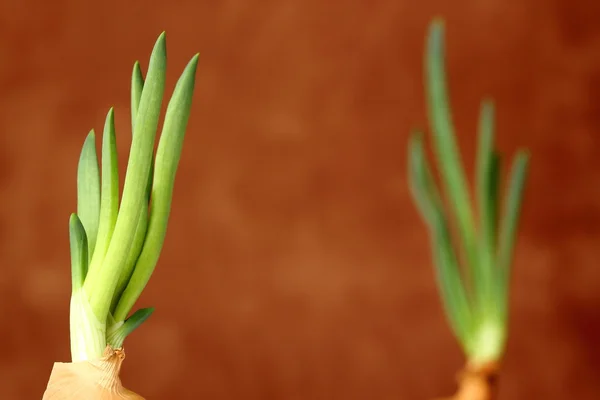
(137, 69)
(193, 63)
(438, 20)
(436, 35)
(89, 143)
(523, 155)
(416, 136)
(488, 103)
(73, 218)
(416, 147)
(162, 39)
(160, 45)
(188, 76)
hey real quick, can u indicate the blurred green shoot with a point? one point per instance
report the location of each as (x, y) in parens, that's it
(473, 266)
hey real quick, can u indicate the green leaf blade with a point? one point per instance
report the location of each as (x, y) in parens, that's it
(487, 181)
(454, 299)
(88, 190)
(109, 196)
(146, 123)
(165, 168)
(137, 86)
(485, 173)
(132, 257)
(445, 145)
(508, 227)
(79, 255)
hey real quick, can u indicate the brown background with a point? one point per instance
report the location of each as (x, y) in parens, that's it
(296, 266)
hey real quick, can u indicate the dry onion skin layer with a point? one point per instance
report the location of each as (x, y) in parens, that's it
(90, 380)
(116, 246)
(473, 266)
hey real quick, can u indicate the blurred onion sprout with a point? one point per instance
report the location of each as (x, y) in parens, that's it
(115, 247)
(473, 268)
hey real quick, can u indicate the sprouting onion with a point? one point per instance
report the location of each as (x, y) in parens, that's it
(115, 246)
(473, 266)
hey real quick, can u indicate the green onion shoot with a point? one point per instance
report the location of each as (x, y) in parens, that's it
(473, 262)
(116, 239)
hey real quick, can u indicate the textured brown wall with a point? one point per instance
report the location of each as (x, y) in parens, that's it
(296, 266)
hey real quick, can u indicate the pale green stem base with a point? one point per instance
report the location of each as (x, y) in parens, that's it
(488, 343)
(88, 335)
(115, 336)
